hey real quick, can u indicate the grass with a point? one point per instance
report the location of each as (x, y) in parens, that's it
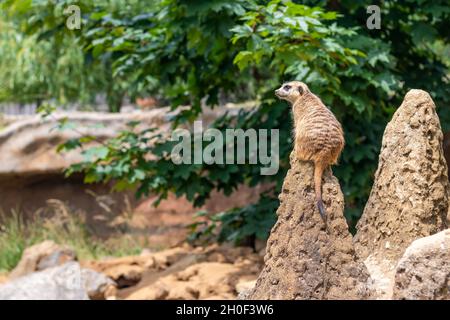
(59, 224)
(2, 122)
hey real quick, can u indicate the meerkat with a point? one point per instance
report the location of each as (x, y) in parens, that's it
(318, 135)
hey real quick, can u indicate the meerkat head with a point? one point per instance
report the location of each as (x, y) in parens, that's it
(291, 91)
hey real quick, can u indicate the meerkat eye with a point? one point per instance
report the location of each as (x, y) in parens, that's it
(287, 87)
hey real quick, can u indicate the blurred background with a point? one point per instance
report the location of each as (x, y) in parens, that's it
(91, 90)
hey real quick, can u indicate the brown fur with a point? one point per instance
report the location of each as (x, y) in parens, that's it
(318, 135)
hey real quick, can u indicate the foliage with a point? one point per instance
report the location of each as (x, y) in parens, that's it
(34, 71)
(297, 54)
(47, 66)
(176, 49)
(194, 52)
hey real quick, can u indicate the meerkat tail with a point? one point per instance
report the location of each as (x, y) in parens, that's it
(318, 171)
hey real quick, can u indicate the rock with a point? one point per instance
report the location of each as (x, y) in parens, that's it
(110, 292)
(127, 271)
(167, 257)
(211, 278)
(305, 259)
(221, 297)
(41, 256)
(3, 278)
(424, 270)
(229, 254)
(64, 282)
(125, 275)
(217, 257)
(57, 258)
(245, 285)
(32, 170)
(157, 291)
(28, 146)
(97, 285)
(409, 198)
(245, 294)
(382, 274)
(112, 262)
(58, 283)
(183, 291)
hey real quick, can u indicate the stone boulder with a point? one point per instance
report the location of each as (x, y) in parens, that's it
(66, 282)
(409, 198)
(59, 283)
(125, 275)
(424, 270)
(41, 256)
(97, 285)
(306, 259)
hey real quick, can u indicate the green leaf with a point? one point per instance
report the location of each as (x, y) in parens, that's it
(70, 144)
(242, 59)
(96, 153)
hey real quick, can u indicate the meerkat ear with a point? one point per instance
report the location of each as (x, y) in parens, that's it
(301, 90)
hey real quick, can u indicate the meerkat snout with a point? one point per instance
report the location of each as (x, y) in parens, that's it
(291, 91)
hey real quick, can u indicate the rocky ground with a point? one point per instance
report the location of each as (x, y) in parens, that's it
(50, 271)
